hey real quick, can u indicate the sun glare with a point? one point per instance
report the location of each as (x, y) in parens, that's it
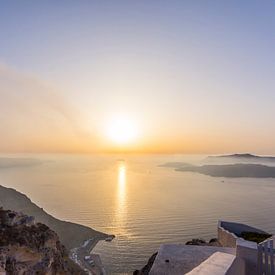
(122, 130)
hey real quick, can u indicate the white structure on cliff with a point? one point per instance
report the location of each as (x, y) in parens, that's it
(236, 256)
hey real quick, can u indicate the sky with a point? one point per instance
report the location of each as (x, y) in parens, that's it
(189, 76)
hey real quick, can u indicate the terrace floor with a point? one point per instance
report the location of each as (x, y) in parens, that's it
(183, 258)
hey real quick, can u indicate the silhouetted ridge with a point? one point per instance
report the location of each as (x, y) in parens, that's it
(244, 156)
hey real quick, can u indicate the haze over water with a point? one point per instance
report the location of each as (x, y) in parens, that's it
(84, 82)
(143, 204)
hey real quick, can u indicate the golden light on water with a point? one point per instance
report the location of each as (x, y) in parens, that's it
(121, 183)
(121, 200)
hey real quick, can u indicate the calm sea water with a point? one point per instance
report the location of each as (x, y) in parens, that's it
(143, 204)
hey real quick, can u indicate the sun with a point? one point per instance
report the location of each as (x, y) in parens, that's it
(122, 130)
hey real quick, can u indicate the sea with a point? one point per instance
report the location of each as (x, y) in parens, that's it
(142, 203)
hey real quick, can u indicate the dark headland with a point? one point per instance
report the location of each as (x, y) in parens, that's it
(230, 166)
(70, 234)
(240, 170)
(242, 157)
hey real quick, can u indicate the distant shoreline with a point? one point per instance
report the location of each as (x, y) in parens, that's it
(78, 239)
(79, 254)
(237, 170)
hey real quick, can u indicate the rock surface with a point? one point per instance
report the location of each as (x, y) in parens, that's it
(27, 247)
(202, 242)
(146, 269)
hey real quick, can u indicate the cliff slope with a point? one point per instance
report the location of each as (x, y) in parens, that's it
(27, 247)
(71, 234)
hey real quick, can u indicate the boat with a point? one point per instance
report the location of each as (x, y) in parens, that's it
(109, 238)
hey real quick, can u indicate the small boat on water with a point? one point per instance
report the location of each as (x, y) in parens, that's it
(109, 238)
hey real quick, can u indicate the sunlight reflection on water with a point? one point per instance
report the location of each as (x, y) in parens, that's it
(143, 204)
(121, 205)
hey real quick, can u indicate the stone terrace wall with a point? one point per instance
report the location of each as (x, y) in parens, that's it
(229, 232)
(226, 238)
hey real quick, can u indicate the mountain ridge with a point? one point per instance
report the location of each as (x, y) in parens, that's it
(244, 156)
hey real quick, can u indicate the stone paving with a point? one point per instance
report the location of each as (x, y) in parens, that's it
(176, 259)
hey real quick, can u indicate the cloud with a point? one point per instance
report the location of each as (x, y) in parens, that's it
(35, 117)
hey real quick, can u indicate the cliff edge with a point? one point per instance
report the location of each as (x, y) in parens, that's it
(71, 234)
(27, 247)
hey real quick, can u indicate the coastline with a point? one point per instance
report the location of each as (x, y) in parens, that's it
(78, 239)
(88, 261)
(71, 234)
(79, 255)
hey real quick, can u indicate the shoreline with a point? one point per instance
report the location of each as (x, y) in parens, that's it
(77, 238)
(88, 261)
(71, 234)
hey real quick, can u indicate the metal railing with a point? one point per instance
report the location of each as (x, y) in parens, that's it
(266, 257)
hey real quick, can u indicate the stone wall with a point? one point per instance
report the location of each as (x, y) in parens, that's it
(226, 238)
(229, 232)
(248, 251)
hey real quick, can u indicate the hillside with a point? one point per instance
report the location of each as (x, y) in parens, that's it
(27, 247)
(71, 234)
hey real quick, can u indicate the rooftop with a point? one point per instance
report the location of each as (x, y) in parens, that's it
(174, 259)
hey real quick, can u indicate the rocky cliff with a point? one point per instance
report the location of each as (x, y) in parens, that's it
(71, 234)
(27, 247)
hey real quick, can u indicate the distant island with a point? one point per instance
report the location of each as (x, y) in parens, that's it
(233, 170)
(14, 162)
(177, 164)
(239, 170)
(245, 157)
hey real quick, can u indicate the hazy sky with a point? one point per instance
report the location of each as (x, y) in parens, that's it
(196, 76)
